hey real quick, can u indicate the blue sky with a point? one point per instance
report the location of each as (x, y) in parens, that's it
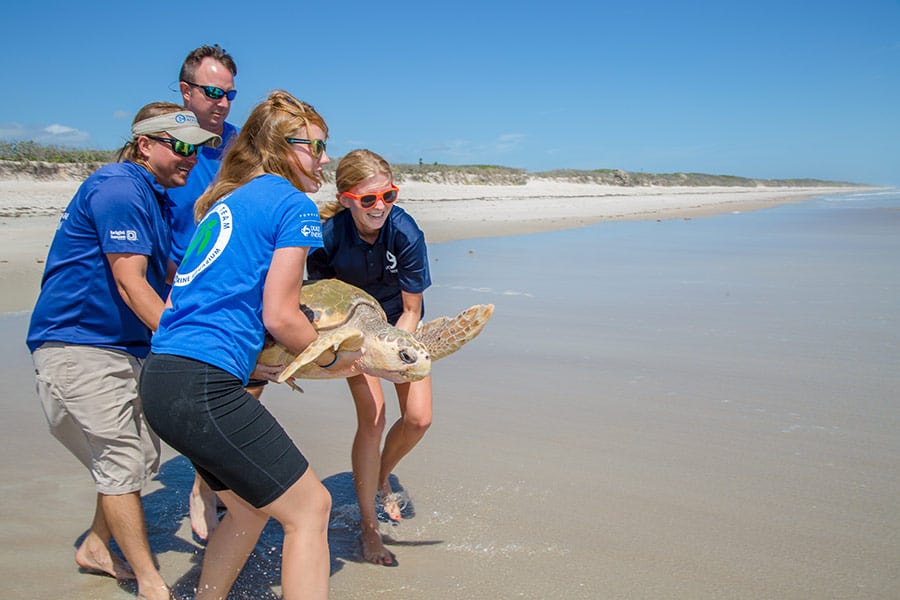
(759, 88)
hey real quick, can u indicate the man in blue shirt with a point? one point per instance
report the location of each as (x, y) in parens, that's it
(206, 83)
(100, 300)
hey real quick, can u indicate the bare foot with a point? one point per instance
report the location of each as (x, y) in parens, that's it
(392, 506)
(161, 592)
(373, 549)
(95, 557)
(203, 513)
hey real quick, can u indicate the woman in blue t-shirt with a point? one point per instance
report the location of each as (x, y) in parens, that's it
(373, 244)
(240, 277)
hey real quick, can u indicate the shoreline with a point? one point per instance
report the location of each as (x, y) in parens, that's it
(30, 209)
(688, 408)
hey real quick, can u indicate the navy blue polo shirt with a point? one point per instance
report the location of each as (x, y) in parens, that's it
(397, 261)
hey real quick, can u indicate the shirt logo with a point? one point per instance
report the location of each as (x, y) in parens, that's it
(123, 235)
(391, 261)
(207, 245)
(314, 231)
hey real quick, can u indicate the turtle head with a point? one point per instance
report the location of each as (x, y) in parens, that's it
(397, 356)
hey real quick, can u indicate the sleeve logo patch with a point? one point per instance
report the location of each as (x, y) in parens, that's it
(123, 235)
(312, 231)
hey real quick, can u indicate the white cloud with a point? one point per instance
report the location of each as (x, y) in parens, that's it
(55, 134)
(58, 130)
(121, 115)
(62, 135)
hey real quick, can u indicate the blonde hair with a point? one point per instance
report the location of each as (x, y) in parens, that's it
(353, 169)
(130, 150)
(260, 147)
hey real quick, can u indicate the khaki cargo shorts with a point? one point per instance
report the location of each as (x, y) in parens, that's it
(90, 398)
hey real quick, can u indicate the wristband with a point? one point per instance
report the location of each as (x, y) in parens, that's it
(331, 364)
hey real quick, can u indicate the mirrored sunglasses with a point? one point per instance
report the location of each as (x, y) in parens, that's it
(317, 147)
(367, 201)
(178, 147)
(214, 92)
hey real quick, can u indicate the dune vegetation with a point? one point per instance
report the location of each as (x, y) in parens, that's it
(48, 162)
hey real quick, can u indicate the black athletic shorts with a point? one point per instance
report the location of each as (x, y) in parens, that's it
(206, 414)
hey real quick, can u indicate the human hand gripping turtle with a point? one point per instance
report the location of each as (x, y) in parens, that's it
(350, 320)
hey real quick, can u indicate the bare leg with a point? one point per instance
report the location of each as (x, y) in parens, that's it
(366, 458)
(125, 517)
(303, 513)
(229, 546)
(94, 554)
(405, 433)
(202, 504)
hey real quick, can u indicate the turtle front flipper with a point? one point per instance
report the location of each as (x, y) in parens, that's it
(444, 336)
(347, 339)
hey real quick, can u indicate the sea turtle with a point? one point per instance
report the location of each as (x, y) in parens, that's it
(347, 318)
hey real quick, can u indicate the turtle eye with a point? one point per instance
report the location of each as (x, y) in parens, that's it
(407, 357)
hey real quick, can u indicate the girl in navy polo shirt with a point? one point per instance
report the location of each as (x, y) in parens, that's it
(373, 244)
(240, 277)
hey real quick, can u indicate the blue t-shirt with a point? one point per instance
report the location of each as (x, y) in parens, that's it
(120, 208)
(183, 198)
(397, 261)
(216, 314)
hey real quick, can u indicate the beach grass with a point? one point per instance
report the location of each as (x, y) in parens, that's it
(49, 161)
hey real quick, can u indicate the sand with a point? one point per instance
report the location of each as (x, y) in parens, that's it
(29, 214)
(671, 407)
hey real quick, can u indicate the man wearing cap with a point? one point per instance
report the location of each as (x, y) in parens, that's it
(100, 301)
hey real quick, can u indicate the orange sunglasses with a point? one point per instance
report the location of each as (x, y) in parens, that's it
(367, 201)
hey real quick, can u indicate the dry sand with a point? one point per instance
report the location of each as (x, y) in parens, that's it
(697, 408)
(29, 213)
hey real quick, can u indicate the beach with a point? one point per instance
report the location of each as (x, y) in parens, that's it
(30, 210)
(683, 393)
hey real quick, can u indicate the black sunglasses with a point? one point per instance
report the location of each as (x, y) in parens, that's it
(178, 147)
(213, 92)
(317, 146)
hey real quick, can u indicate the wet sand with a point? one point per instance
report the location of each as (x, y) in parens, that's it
(684, 408)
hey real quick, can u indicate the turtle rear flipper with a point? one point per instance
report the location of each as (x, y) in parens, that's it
(347, 339)
(444, 336)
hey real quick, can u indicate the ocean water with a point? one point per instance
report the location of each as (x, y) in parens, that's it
(821, 275)
(687, 408)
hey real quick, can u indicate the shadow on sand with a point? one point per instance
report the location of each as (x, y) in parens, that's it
(166, 508)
